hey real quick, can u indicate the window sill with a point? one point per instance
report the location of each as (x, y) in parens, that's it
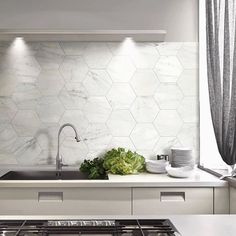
(219, 173)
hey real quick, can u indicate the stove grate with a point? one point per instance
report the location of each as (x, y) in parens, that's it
(160, 227)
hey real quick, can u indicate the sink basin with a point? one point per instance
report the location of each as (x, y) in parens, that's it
(44, 175)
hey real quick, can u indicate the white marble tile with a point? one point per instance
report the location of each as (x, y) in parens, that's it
(49, 109)
(189, 109)
(147, 154)
(73, 96)
(144, 82)
(144, 136)
(97, 109)
(8, 82)
(4, 47)
(120, 96)
(8, 109)
(123, 142)
(96, 153)
(145, 55)
(73, 152)
(7, 159)
(188, 82)
(27, 79)
(125, 48)
(97, 55)
(168, 122)
(50, 82)
(8, 137)
(26, 123)
(47, 157)
(49, 55)
(26, 150)
(144, 109)
(168, 68)
(97, 82)
(26, 95)
(189, 137)
(19, 48)
(77, 118)
(121, 123)
(165, 144)
(121, 69)
(32, 47)
(188, 55)
(46, 136)
(74, 69)
(97, 137)
(73, 48)
(23, 65)
(168, 96)
(168, 48)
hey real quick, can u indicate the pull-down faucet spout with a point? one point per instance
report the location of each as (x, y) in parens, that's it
(59, 163)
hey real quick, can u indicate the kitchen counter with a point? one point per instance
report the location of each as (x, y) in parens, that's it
(199, 179)
(187, 225)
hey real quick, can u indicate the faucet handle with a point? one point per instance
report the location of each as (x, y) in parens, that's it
(61, 163)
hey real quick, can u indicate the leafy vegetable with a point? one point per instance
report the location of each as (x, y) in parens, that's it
(94, 168)
(119, 161)
(116, 161)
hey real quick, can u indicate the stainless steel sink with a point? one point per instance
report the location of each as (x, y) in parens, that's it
(44, 175)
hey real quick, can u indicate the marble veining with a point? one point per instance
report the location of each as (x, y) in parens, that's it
(142, 96)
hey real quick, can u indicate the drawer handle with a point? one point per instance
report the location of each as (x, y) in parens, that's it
(172, 196)
(50, 196)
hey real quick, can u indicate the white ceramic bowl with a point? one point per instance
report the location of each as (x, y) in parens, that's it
(157, 163)
(180, 172)
(156, 170)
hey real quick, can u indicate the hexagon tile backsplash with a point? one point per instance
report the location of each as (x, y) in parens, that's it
(142, 96)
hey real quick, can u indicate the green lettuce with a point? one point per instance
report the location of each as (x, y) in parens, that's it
(116, 161)
(93, 168)
(122, 162)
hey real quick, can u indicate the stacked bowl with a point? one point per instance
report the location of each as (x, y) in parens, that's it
(156, 166)
(182, 157)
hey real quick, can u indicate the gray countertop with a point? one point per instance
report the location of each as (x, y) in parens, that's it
(187, 225)
(199, 179)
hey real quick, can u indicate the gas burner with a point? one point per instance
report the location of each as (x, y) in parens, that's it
(81, 223)
(157, 227)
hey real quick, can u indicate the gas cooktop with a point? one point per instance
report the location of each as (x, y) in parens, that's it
(159, 227)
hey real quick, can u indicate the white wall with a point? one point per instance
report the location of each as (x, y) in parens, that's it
(178, 17)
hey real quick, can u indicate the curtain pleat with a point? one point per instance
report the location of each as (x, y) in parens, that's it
(221, 72)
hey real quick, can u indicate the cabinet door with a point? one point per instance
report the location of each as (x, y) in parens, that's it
(172, 201)
(232, 200)
(69, 201)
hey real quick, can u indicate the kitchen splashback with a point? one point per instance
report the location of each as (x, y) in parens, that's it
(142, 96)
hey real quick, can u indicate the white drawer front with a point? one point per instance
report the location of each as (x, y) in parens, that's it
(172, 201)
(70, 201)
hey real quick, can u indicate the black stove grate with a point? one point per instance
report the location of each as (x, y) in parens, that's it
(160, 227)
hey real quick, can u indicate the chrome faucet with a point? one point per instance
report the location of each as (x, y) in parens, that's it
(59, 163)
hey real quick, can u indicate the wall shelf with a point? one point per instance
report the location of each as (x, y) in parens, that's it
(90, 35)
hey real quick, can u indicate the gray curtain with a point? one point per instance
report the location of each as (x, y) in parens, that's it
(221, 67)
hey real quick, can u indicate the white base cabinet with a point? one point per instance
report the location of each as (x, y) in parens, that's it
(66, 201)
(115, 201)
(232, 200)
(154, 201)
